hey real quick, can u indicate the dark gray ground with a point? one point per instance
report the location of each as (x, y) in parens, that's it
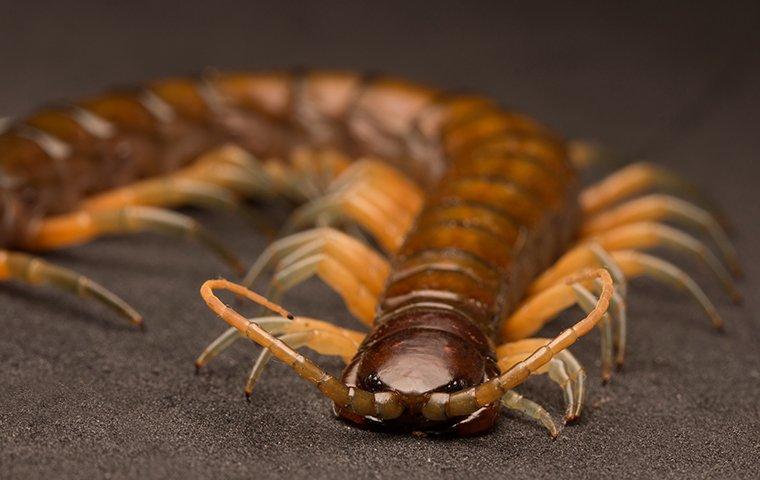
(84, 396)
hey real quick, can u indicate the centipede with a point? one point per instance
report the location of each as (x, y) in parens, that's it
(453, 229)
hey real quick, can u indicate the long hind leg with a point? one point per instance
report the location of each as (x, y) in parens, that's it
(35, 271)
(81, 226)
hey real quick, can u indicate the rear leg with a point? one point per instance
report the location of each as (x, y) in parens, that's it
(35, 271)
(82, 226)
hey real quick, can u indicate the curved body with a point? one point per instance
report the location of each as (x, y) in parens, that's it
(501, 203)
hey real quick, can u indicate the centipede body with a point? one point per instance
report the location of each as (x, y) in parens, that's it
(500, 202)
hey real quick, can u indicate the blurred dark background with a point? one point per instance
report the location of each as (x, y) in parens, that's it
(674, 82)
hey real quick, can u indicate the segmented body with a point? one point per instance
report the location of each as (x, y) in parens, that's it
(501, 204)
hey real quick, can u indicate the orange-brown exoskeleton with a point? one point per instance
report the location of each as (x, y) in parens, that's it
(484, 229)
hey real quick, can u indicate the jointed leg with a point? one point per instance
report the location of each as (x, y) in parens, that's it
(362, 195)
(662, 207)
(634, 179)
(642, 235)
(80, 226)
(517, 403)
(632, 264)
(586, 300)
(34, 271)
(383, 405)
(464, 402)
(564, 370)
(355, 271)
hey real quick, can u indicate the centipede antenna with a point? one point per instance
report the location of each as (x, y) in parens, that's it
(295, 340)
(563, 369)
(35, 271)
(229, 336)
(384, 405)
(608, 262)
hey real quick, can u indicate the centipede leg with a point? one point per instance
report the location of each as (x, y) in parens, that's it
(564, 370)
(658, 207)
(517, 403)
(632, 264)
(81, 226)
(586, 300)
(234, 169)
(351, 268)
(361, 196)
(643, 235)
(638, 178)
(538, 309)
(35, 271)
(213, 349)
(355, 271)
(170, 192)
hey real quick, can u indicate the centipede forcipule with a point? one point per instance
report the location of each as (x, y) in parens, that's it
(485, 230)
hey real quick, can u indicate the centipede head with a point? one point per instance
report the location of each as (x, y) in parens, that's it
(417, 354)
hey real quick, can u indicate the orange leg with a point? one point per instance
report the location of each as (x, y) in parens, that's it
(82, 226)
(362, 195)
(634, 179)
(352, 269)
(35, 271)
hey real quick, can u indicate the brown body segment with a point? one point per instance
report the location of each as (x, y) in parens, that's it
(463, 263)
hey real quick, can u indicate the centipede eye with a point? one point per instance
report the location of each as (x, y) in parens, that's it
(454, 386)
(373, 383)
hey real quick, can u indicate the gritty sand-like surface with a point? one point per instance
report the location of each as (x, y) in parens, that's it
(83, 396)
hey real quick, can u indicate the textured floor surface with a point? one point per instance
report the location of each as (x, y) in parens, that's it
(83, 396)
